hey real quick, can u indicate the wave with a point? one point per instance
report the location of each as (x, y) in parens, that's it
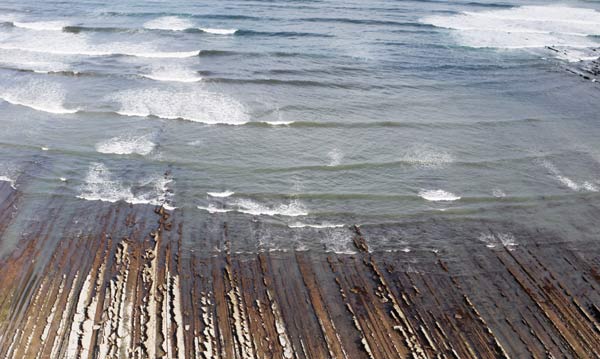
(214, 209)
(67, 44)
(335, 157)
(197, 106)
(362, 21)
(438, 195)
(125, 145)
(392, 124)
(171, 23)
(41, 25)
(292, 209)
(276, 123)
(317, 226)
(174, 23)
(220, 194)
(568, 182)
(492, 240)
(173, 74)
(523, 27)
(9, 180)
(281, 34)
(102, 53)
(101, 185)
(38, 95)
(299, 83)
(219, 31)
(427, 156)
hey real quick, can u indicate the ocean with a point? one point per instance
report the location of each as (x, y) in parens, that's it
(306, 116)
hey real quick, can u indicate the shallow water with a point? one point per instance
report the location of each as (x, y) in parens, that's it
(308, 114)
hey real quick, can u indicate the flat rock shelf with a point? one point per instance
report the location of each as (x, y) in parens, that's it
(127, 286)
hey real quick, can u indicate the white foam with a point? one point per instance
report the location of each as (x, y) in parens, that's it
(318, 226)
(335, 157)
(196, 105)
(170, 23)
(508, 240)
(213, 209)
(338, 241)
(36, 62)
(42, 25)
(438, 195)
(568, 182)
(292, 209)
(219, 31)
(101, 185)
(68, 44)
(523, 27)
(220, 194)
(9, 180)
(38, 95)
(498, 193)
(173, 74)
(427, 156)
(124, 145)
(278, 123)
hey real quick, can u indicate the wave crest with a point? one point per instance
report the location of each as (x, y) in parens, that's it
(197, 106)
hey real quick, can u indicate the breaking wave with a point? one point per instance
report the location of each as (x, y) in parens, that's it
(196, 105)
(38, 95)
(125, 145)
(101, 185)
(438, 195)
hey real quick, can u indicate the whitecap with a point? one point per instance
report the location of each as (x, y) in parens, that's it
(214, 209)
(335, 157)
(196, 105)
(9, 180)
(124, 145)
(427, 156)
(438, 195)
(24, 60)
(220, 194)
(170, 23)
(278, 123)
(523, 27)
(498, 193)
(292, 209)
(317, 226)
(506, 240)
(101, 185)
(173, 74)
(219, 31)
(566, 181)
(42, 25)
(38, 95)
(67, 44)
(338, 241)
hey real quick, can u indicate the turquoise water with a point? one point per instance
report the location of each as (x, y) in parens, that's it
(320, 113)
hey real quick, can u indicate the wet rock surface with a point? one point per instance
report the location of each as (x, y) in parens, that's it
(128, 286)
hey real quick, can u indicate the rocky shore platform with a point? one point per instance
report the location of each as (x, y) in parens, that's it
(89, 279)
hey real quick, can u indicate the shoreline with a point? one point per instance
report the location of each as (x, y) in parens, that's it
(136, 283)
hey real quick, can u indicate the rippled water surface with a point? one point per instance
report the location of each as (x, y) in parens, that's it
(309, 114)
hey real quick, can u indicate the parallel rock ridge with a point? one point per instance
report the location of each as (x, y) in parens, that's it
(130, 288)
